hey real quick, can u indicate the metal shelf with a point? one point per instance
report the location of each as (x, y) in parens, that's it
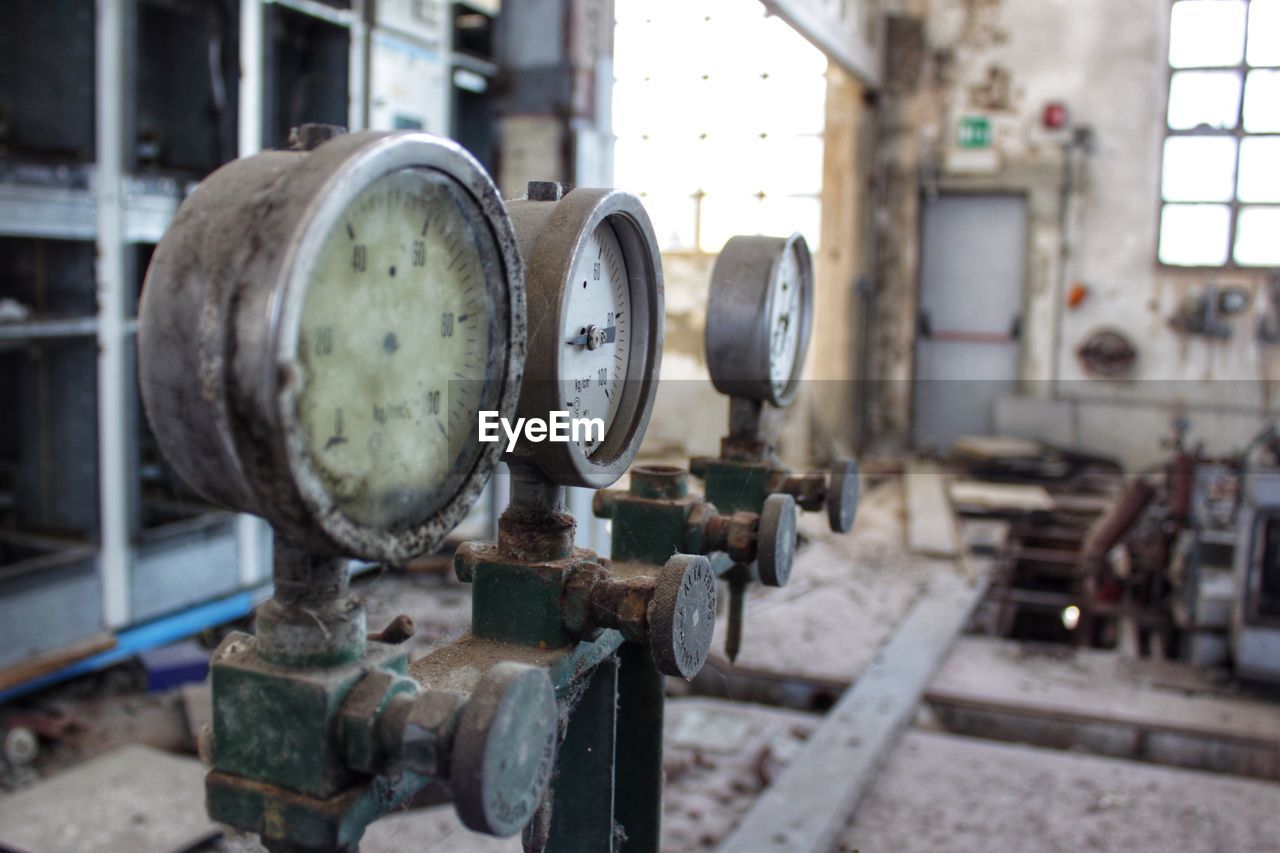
(65, 213)
(316, 9)
(30, 330)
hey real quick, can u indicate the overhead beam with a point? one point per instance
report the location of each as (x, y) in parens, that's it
(840, 30)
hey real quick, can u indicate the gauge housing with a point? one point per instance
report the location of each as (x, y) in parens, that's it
(553, 225)
(218, 334)
(744, 287)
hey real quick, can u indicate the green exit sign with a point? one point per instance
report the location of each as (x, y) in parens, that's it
(974, 132)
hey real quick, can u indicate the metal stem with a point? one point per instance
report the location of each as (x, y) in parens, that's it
(737, 611)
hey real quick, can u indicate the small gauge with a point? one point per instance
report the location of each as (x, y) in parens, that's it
(319, 330)
(759, 317)
(595, 326)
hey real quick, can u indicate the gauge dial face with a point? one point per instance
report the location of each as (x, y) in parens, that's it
(595, 334)
(785, 321)
(393, 349)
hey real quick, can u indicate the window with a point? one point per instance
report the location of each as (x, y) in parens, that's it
(718, 114)
(1220, 178)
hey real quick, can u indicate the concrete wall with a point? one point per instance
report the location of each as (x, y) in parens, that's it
(1106, 61)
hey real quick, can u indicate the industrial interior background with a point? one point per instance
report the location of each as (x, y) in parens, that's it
(1047, 322)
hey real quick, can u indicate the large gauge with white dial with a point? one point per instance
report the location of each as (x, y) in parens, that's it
(319, 331)
(759, 317)
(594, 276)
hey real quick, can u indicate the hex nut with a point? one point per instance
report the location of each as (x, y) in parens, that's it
(741, 542)
(426, 731)
(359, 718)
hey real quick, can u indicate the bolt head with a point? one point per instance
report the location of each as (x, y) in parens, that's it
(548, 190)
(306, 137)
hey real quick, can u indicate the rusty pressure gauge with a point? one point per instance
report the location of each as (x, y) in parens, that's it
(319, 329)
(758, 333)
(595, 326)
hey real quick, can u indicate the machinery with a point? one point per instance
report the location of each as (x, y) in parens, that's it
(607, 632)
(1188, 554)
(1255, 618)
(319, 328)
(759, 321)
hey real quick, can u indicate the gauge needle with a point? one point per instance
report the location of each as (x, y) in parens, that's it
(780, 332)
(610, 334)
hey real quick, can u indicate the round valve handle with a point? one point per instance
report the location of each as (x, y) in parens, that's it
(682, 615)
(504, 749)
(776, 539)
(843, 488)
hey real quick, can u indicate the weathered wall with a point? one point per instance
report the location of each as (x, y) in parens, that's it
(1106, 60)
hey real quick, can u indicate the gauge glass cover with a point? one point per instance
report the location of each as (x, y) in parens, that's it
(595, 333)
(392, 349)
(785, 322)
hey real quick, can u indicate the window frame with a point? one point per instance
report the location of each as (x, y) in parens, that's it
(1237, 133)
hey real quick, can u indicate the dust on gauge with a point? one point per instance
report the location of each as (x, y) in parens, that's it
(347, 310)
(595, 342)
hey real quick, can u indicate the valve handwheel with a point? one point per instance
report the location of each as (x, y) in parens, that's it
(682, 615)
(842, 495)
(776, 539)
(504, 749)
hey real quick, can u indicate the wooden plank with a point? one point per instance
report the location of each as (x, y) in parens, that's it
(1000, 497)
(993, 447)
(812, 801)
(41, 665)
(931, 524)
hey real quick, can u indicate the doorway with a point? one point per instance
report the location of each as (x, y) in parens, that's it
(973, 261)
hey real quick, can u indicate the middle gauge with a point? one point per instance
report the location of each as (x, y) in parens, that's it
(594, 284)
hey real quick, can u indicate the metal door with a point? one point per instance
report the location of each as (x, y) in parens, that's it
(973, 260)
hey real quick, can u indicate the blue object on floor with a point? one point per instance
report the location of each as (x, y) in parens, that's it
(174, 665)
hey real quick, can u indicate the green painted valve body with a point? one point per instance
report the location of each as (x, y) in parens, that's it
(318, 730)
(607, 633)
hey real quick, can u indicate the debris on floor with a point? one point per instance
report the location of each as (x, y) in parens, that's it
(945, 793)
(135, 798)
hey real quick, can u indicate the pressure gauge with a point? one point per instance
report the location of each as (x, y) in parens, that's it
(595, 327)
(319, 330)
(760, 317)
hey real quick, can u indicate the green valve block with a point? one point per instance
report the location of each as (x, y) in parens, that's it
(319, 730)
(658, 515)
(748, 471)
(608, 632)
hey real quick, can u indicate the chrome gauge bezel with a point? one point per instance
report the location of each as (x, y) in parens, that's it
(744, 286)
(222, 305)
(553, 234)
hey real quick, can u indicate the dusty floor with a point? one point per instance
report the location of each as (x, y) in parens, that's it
(847, 595)
(946, 793)
(939, 793)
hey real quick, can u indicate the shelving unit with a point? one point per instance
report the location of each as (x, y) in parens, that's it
(109, 114)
